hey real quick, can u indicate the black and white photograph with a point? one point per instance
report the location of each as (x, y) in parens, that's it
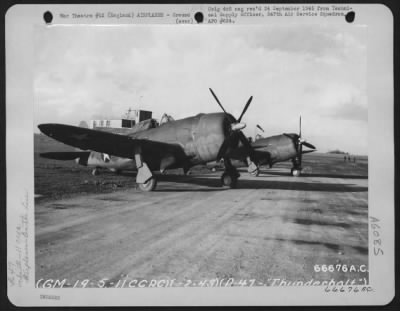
(201, 156)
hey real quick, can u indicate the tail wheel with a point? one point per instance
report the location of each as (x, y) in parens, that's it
(295, 172)
(150, 185)
(229, 180)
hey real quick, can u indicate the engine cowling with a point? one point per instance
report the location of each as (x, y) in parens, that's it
(210, 133)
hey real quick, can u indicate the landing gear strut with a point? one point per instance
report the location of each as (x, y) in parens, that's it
(230, 176)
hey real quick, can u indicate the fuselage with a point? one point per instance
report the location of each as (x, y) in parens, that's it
(200, 138)
(279, 148)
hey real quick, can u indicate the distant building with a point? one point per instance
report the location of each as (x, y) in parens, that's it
(131, 118)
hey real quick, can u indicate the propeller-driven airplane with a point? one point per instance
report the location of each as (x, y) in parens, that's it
(279, 148)
(176, 144)
(93, 159)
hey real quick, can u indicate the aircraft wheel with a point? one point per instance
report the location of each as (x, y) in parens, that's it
(94, 172)
(150, 185)
(295, 172)
(229, 180)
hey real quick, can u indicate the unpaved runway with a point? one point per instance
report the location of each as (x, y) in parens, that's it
(271, 229)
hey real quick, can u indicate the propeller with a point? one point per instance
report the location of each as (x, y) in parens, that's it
(302, 141)
(236, 127)
(260, 128)
(299, 142)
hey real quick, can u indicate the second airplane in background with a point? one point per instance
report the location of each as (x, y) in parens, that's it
(278, 148)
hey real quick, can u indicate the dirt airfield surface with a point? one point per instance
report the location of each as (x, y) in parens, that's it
(100, 231)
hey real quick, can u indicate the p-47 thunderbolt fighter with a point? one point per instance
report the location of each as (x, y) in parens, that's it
(279, 148)
(175, 144)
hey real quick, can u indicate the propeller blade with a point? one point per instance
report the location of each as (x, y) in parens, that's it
(245, 142)
(300, 127)
(311, 146)
(228, 143)
(300, 153)
(245, 108)
(308, 151)
(216, 98)
(223, 149)
(259, 127)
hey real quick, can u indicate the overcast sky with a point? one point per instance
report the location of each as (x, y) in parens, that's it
(318, 72)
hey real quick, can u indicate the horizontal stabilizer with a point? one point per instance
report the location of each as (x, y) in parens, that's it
(65, 156)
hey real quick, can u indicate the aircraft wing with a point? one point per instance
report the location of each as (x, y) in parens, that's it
(106, 142)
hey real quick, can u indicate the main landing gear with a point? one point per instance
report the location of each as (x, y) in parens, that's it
(296, 169)
(252, 168)
(149, 185)
(255, 173)
(144, 178)
(230, 176)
